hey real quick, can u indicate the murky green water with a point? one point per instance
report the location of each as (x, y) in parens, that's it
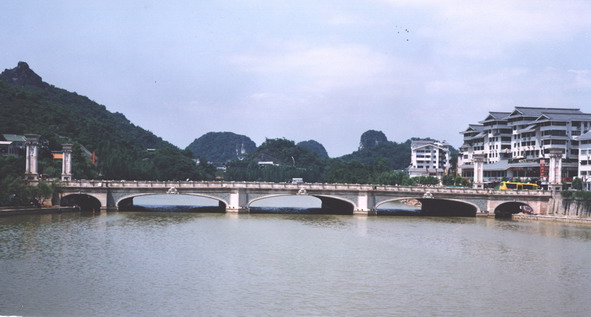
(196, 264)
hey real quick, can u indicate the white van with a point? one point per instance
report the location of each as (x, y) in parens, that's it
(297, 180)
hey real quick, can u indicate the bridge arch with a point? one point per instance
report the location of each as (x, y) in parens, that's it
(328, 202)
(392, 200)
(448, 207)
(452, 201)
(127, 200)
(505, 210)
(86, 202)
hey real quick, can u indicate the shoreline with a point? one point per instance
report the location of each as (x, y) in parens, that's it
(546, 218)
(552, 218)
(16, 211)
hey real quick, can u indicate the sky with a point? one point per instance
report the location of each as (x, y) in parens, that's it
(307, 69)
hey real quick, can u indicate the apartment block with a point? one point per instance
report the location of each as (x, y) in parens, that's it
(429, 158)
(518, 143)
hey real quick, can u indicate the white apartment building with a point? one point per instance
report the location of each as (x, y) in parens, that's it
(429, 158)
(585, 160)
(518, 143)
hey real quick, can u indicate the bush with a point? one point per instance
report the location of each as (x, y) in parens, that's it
(579, 195)
(582, 195)
(566, 194)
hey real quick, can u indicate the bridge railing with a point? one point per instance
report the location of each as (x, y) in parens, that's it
(289, 186)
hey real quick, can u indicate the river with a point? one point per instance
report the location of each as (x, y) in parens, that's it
(162, 263)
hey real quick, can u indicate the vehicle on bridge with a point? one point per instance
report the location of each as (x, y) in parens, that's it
(297, 180)
(518, 186)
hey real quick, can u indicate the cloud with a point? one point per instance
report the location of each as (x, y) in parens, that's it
(341, 19)
(581, 80)
(485, 29)
(322, 69)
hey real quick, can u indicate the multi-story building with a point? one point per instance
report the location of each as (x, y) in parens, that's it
(518, 143)
(585, 160)
(429, 158)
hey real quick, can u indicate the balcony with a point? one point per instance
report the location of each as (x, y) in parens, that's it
(554, 127)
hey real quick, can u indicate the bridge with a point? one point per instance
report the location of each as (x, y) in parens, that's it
(343, 198)
(237, 197)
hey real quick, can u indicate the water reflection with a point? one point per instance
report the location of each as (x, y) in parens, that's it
(207, 264)
(398, 209)
(320, 220)
(547, 229)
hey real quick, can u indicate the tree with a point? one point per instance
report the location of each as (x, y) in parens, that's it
(577, 183)
(43, 191)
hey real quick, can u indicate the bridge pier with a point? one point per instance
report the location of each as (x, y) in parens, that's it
(67, 162)
(238, 201)
(361, 212)
(366, 204)
(32, 152)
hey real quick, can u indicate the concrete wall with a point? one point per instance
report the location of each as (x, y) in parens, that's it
(570, 207)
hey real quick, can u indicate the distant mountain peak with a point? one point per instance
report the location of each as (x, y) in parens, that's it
(22, 75)
(222, 146)
(372, 138)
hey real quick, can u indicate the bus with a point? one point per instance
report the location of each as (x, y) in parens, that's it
(518, 186)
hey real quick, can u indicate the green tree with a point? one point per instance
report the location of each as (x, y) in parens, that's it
(577, 183)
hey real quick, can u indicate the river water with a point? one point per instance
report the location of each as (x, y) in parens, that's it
(285, 264)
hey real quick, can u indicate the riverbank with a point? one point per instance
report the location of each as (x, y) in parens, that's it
(543, 218)
(13, 211)
(552, 218)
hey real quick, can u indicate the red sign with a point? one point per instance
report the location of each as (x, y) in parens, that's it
(544, 170)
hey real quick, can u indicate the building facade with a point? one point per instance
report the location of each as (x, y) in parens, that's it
(518, 143)
(13, 146)
(585, 160)
(429, 158)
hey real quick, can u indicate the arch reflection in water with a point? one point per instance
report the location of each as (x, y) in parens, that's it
(288, 205)
(406, 207)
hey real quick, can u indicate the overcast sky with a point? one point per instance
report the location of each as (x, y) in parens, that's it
(306, 69)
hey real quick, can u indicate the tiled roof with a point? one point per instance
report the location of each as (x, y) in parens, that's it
(496, 116)
(563, 117)
(473, 128)
(14, 137)
(536, 112)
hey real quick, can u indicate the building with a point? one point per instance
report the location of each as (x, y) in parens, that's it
(585, 160)
(13, 146)
(519, 143)
(429, 158)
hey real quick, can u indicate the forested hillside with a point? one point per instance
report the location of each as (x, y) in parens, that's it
(29, 105)
(315, 147)
(221, 146)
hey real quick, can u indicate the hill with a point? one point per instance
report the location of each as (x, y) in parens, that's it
(29, 105)
(375, 146)
(315, 147)
(221, 146)
(278, 160)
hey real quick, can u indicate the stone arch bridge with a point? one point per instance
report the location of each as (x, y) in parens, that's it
(346, 198)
